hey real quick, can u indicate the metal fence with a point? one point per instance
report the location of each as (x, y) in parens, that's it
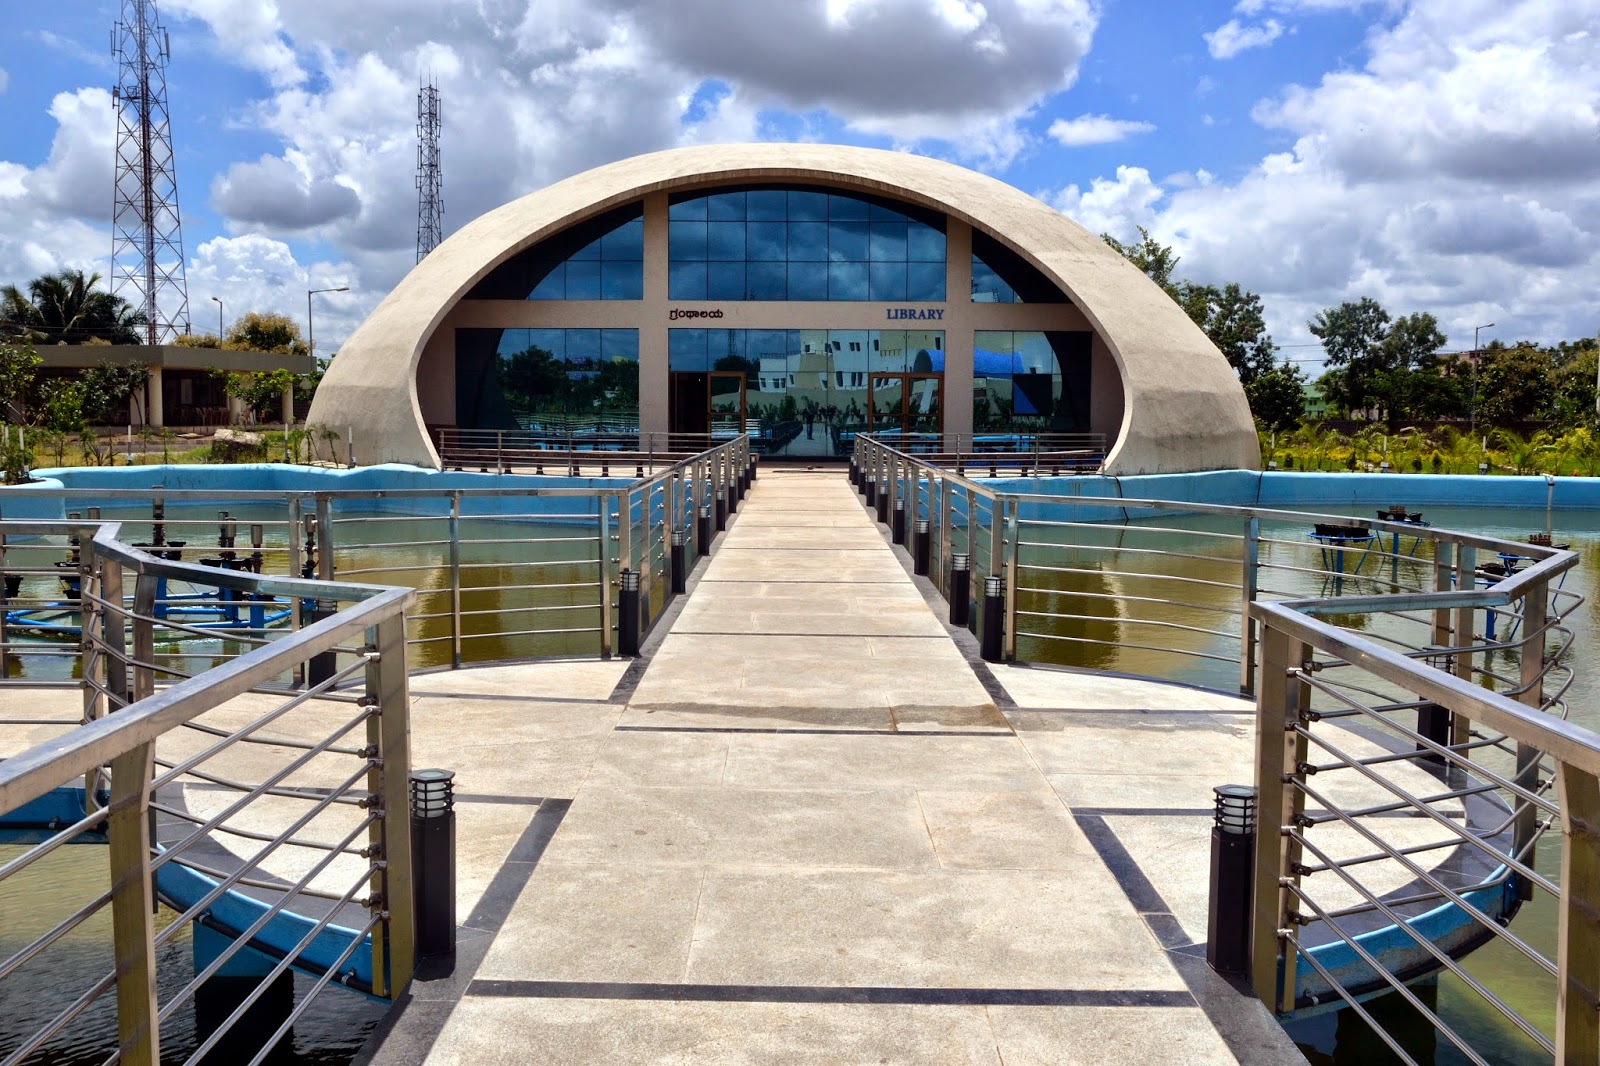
(1413, 754)
(272, 822)
(500, 573)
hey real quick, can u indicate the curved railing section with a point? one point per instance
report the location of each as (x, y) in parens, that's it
(271, 819)
(1418, 783)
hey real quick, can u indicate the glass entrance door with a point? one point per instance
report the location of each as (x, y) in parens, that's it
(905, 403)
(725, 402)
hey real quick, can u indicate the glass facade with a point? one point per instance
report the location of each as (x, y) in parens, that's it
(796, 391)
(1001, 276)
(602, 259)
(810, 391)
(802, 244)
(548, 380)
(1030, 381)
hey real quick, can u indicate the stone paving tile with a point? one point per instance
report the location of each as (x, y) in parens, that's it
(1036, 686)
(788, 564)
(740, 717)
(567, 679)
(951, 929)
(782, 671)
(768, 538)
(749, 827)
(598, 923)
(586, 1032)
(1091, 1036)
(666, 760)
(1003, 831)
(866, 763)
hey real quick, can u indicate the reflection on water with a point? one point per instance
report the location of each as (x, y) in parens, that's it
(328, 1034)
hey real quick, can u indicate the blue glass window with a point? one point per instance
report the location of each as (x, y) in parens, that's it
(601, 259)
(1000, 275)
(803, 244)
(560, 381)
(1030, 381)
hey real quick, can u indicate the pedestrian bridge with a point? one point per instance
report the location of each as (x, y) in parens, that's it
(810, 821)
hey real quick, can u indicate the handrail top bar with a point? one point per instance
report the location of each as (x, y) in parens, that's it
(142, 562)
(1566, 741)
(1549, 561)
(54, 763)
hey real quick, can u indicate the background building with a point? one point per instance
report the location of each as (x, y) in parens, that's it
(801, 293)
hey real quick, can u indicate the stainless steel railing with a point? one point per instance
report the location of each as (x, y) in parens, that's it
(274, 819)
(1414, 762)
(505, 573)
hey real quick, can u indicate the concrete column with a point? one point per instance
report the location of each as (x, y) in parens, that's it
(154, 407)
(288, 406)
(959, 321)
(654, 415)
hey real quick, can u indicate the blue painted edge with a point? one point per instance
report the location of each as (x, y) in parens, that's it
(180, 888)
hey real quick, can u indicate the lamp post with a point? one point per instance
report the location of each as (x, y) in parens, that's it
(311, 333)
(1473, 425)
(218, 299)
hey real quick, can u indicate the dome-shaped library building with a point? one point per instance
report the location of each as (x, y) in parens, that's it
(800, 293)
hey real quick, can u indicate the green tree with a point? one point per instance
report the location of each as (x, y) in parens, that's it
(256, 332)
(1151, 256)
(19, 366)
(259, 391)
(1352, 337)
(1232, 317)
(1514, 385)
(108, 386)
(1277, 397)
(66, 308)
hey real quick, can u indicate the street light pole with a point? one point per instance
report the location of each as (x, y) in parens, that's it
(311, 333)
(219, 316)
(1473, 423)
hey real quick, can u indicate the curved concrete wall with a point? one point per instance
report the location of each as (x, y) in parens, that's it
(1182, 406)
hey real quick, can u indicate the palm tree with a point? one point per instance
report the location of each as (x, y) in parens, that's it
(66, 308)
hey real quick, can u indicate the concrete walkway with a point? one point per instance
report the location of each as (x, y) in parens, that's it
(813, 831)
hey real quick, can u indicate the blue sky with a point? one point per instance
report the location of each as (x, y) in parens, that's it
(1438, 155)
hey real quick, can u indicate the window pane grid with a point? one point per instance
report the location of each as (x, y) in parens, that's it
(801, 244)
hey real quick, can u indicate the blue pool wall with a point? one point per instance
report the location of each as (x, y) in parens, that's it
(1360, 495)
(1357, 494)
(16, 505)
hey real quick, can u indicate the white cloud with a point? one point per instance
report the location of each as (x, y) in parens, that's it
(5, 79)
(279, 195)
(1095, 129)
(1117, 207)
(1233, 37)
(1453, 173)
(256, 273)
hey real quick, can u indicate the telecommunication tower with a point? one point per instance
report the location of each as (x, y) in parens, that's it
(146, 239)
(430, 182)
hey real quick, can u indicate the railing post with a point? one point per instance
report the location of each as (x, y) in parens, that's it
(1578, 924)
(1465, 637)
(1279, 752)
(388, 695)
(133, 906)
(455, 580)
(144, 637)
(1249, 586)
(1444, 580)
(1525, 824)
(946, 548)
(1013, 522)
(603, 561)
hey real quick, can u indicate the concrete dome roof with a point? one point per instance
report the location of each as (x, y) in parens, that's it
(1183, 406)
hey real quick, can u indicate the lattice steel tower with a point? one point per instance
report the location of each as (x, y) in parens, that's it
(146, 240)
(430, 182)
